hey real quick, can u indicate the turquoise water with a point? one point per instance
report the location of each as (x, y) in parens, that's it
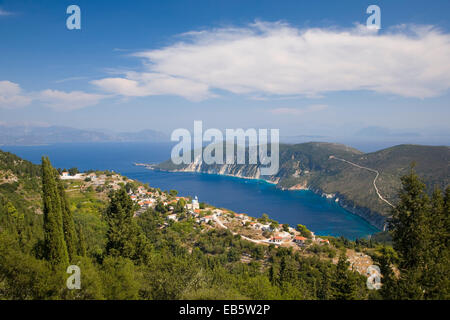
(254, 197)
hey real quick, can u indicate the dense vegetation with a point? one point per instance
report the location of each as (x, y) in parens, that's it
(122, 257)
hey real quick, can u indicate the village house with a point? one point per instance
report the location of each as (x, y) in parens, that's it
(301, 241)
(322, 241)
(276, 239)
(256, 225)
(241, 216)
(266, 227)
(141, 190)
(206, 219)
(66, 176)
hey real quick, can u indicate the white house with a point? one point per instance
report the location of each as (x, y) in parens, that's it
(276, 239)
(300, 240)
(266, 227)
(92, 176)
(66, 176)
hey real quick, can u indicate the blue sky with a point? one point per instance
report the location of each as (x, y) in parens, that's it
(309, 68)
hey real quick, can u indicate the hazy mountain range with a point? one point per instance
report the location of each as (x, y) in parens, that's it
(34, 135)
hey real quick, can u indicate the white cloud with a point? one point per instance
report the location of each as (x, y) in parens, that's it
(275, 59)
(11, 96)
(298, 111)
(149, 83)
(66, 101)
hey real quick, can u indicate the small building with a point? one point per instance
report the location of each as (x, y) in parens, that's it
(65, 174)
(241, 216)
(301, 241)
(322, 241)
(195, 203)
(256, 225)
(276, 239)
(92, 176)
(141, 190)
(206, 219)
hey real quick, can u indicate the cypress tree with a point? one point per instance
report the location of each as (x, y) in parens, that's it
(55, 249)
(68, 224)
(119, 216)
(81, 241)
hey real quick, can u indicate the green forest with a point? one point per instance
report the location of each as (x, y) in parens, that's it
(125, 257)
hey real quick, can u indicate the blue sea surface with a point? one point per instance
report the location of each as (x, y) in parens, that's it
(254, 197)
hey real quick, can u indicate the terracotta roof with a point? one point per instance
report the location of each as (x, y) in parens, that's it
(300, 238)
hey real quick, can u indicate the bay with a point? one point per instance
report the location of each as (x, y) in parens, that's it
(254, 197)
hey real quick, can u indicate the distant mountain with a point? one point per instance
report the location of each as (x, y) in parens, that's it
(25, 135)
(319, 166)
(143, 136)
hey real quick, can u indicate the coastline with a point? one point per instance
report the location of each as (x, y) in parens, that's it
(348, 206)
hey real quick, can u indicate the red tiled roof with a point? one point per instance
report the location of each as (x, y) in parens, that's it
(300, 238)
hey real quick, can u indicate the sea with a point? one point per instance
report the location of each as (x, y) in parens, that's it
(254, 197)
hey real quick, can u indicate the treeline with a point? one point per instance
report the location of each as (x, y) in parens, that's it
(146, 257)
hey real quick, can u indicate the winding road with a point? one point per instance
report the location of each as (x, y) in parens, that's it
(374, 181)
